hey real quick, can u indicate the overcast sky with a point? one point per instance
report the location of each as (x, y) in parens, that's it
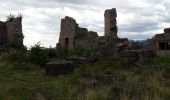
(137, 19)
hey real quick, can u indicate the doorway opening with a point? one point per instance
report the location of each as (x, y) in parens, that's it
(66, 42)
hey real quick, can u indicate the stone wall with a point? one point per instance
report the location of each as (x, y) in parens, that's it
(3, 34)
(161, 43)
(167, 32)
(110, 46)
(87, 42)
(14, 31)
(111, 23)
(11, 33)
(67, 34)
(72, 35)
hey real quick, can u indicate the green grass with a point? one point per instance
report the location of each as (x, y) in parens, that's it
(22, 80)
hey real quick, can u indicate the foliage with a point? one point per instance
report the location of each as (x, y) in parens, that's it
(145, 82)
(10, 17)
(20, 15)
(38, 55)
(51, 52)
(15, 55)
(79, 52)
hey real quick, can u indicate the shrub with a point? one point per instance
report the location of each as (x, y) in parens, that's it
(10, 17)
(38, 55)
(51, 52)
(80, 52)
(15, 55)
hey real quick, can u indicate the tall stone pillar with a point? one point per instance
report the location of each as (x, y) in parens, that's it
(111, 23)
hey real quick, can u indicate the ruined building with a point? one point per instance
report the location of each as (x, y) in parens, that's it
(110, 43)
(11, 33)
(161, 43)
(72, 35)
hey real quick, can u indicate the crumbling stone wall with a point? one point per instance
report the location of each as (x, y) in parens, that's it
(14, 31)
(110, 46)
(11, 33)
(111, 23)
(67, 34)
(3, 33)
(87, 42)
(161, 43)
(72, 35)
(167, 32)
(135, 57)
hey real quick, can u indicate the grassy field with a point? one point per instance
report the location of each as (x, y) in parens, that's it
(23, 80)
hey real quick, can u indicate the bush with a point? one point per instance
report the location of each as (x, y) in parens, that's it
(15, 55)
(51, 52)
(38, 55)
(80, 52)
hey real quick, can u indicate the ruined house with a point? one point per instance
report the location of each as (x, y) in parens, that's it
(110, 43)
(161, 43)
(11, 33)
(72, 35)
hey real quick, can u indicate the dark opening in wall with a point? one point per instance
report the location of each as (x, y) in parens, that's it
(66, 42)
(168, 45)
(162, 46)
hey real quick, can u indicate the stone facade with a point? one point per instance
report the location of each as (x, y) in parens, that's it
(110, 46)
(87, 41)
(72, 35)
(68, 31)
(111, 23)
(3, 34)
(161, 43)
(11, 33)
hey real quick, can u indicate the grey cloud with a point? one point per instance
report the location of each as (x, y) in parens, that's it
(139, 27)
(53, 10)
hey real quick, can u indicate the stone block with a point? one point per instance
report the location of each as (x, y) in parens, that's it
(59, 68)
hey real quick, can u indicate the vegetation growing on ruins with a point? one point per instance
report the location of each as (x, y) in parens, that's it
(12, 16)
(21, 79)
(38, 55)
(111, 72)
(79, 52)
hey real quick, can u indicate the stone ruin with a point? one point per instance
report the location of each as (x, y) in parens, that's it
(11, 35)
(111, 23)
(161, 43)
(109, 45)
(72, 36)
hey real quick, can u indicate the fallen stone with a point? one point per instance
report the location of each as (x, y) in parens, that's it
(77, 60)
(59, 68)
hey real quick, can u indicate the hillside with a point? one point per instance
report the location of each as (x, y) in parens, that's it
(24, 80)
